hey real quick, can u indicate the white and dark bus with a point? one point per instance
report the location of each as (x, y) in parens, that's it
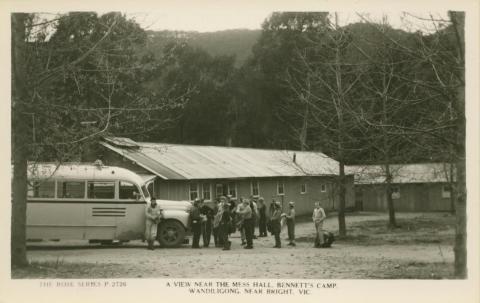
(96, 203)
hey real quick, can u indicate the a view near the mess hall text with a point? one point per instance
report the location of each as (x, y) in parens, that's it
(316, 145)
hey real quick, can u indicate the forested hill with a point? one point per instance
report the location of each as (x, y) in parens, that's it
(236, 42)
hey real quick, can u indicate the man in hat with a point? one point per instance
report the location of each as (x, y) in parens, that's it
(318, 217)
(291, 223)
(153, 213)
(239, 221)
(275, 224)
(246, 213)
(224, 227)
(196, 222)
(218, 210)
(262, 217)
(207, 224)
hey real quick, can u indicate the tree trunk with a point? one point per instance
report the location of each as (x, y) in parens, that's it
(392, 222)
(460, 249)
(342, 227)
(451, 183)
(303, 132)
(19, 144)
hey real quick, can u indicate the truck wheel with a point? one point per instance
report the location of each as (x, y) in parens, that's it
(170, 233)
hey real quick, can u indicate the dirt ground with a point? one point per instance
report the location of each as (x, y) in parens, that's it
(420, 249)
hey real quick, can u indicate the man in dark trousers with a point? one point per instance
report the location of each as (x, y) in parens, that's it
(291, 223)
(275, 222)
(207, 211)
(262, 217)
(224, 226)
(196, 223)
(253, 207)
(247, 215)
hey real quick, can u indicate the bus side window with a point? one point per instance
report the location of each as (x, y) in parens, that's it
(41, 189)
(128, 190)
(101, 190)
(70, 189)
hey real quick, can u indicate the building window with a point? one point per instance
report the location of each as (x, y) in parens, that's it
(206, 192)
(71, 189)
(395, 192)
(193, 188)
(42, 189)
(254, 188)
(128, 191)
(303, 188)
(446, 191)
(280, 188)
(219, 190)
(101, 190)
(232, 189)
(323, 188)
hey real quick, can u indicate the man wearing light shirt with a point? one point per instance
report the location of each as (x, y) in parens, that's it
(153, 214)
(247, 216)
(318, 217)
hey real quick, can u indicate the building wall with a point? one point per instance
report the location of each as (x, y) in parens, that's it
(421, 197)
(304, 202)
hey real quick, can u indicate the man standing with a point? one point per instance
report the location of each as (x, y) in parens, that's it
(318, 217)
(253, 207)
(206, 211)
(239, 221)
(224, 227)
(291, 223)
(275, 224)
(262, 218)
(247, 216)
(153, 214)
(196, 223)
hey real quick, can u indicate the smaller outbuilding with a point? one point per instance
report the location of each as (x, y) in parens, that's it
(415, 187)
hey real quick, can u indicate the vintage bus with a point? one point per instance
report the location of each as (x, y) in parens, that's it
(96, 203)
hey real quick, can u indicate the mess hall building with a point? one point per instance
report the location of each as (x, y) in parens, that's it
(185, 172)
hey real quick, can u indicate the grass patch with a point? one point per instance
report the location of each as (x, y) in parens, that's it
(435, 228)
(416, 270)
(64, 270)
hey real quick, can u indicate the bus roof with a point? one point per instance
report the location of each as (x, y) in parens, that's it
(81, 171)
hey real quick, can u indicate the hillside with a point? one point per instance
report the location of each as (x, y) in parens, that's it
(236, 42)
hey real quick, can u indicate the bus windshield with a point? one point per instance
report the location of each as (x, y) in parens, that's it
(145, 192)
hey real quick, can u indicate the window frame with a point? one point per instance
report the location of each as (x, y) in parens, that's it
(446, 194)
(209, 191)
(395, 192)
(234, 187)
(190, 191)
(57, 187)
(303, 188)
(217, 186)
(31, 188)
(283, 188)
(139, 190)
(252, 182)
(323, 188)
(115, 189)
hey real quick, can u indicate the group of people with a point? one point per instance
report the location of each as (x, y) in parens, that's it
(227, 216)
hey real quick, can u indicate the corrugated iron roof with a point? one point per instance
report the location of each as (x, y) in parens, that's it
(401, 173)
(175, 162)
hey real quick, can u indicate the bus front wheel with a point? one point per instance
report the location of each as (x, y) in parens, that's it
(170, 233)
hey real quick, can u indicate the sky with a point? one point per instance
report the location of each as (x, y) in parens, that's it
(223, 19)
